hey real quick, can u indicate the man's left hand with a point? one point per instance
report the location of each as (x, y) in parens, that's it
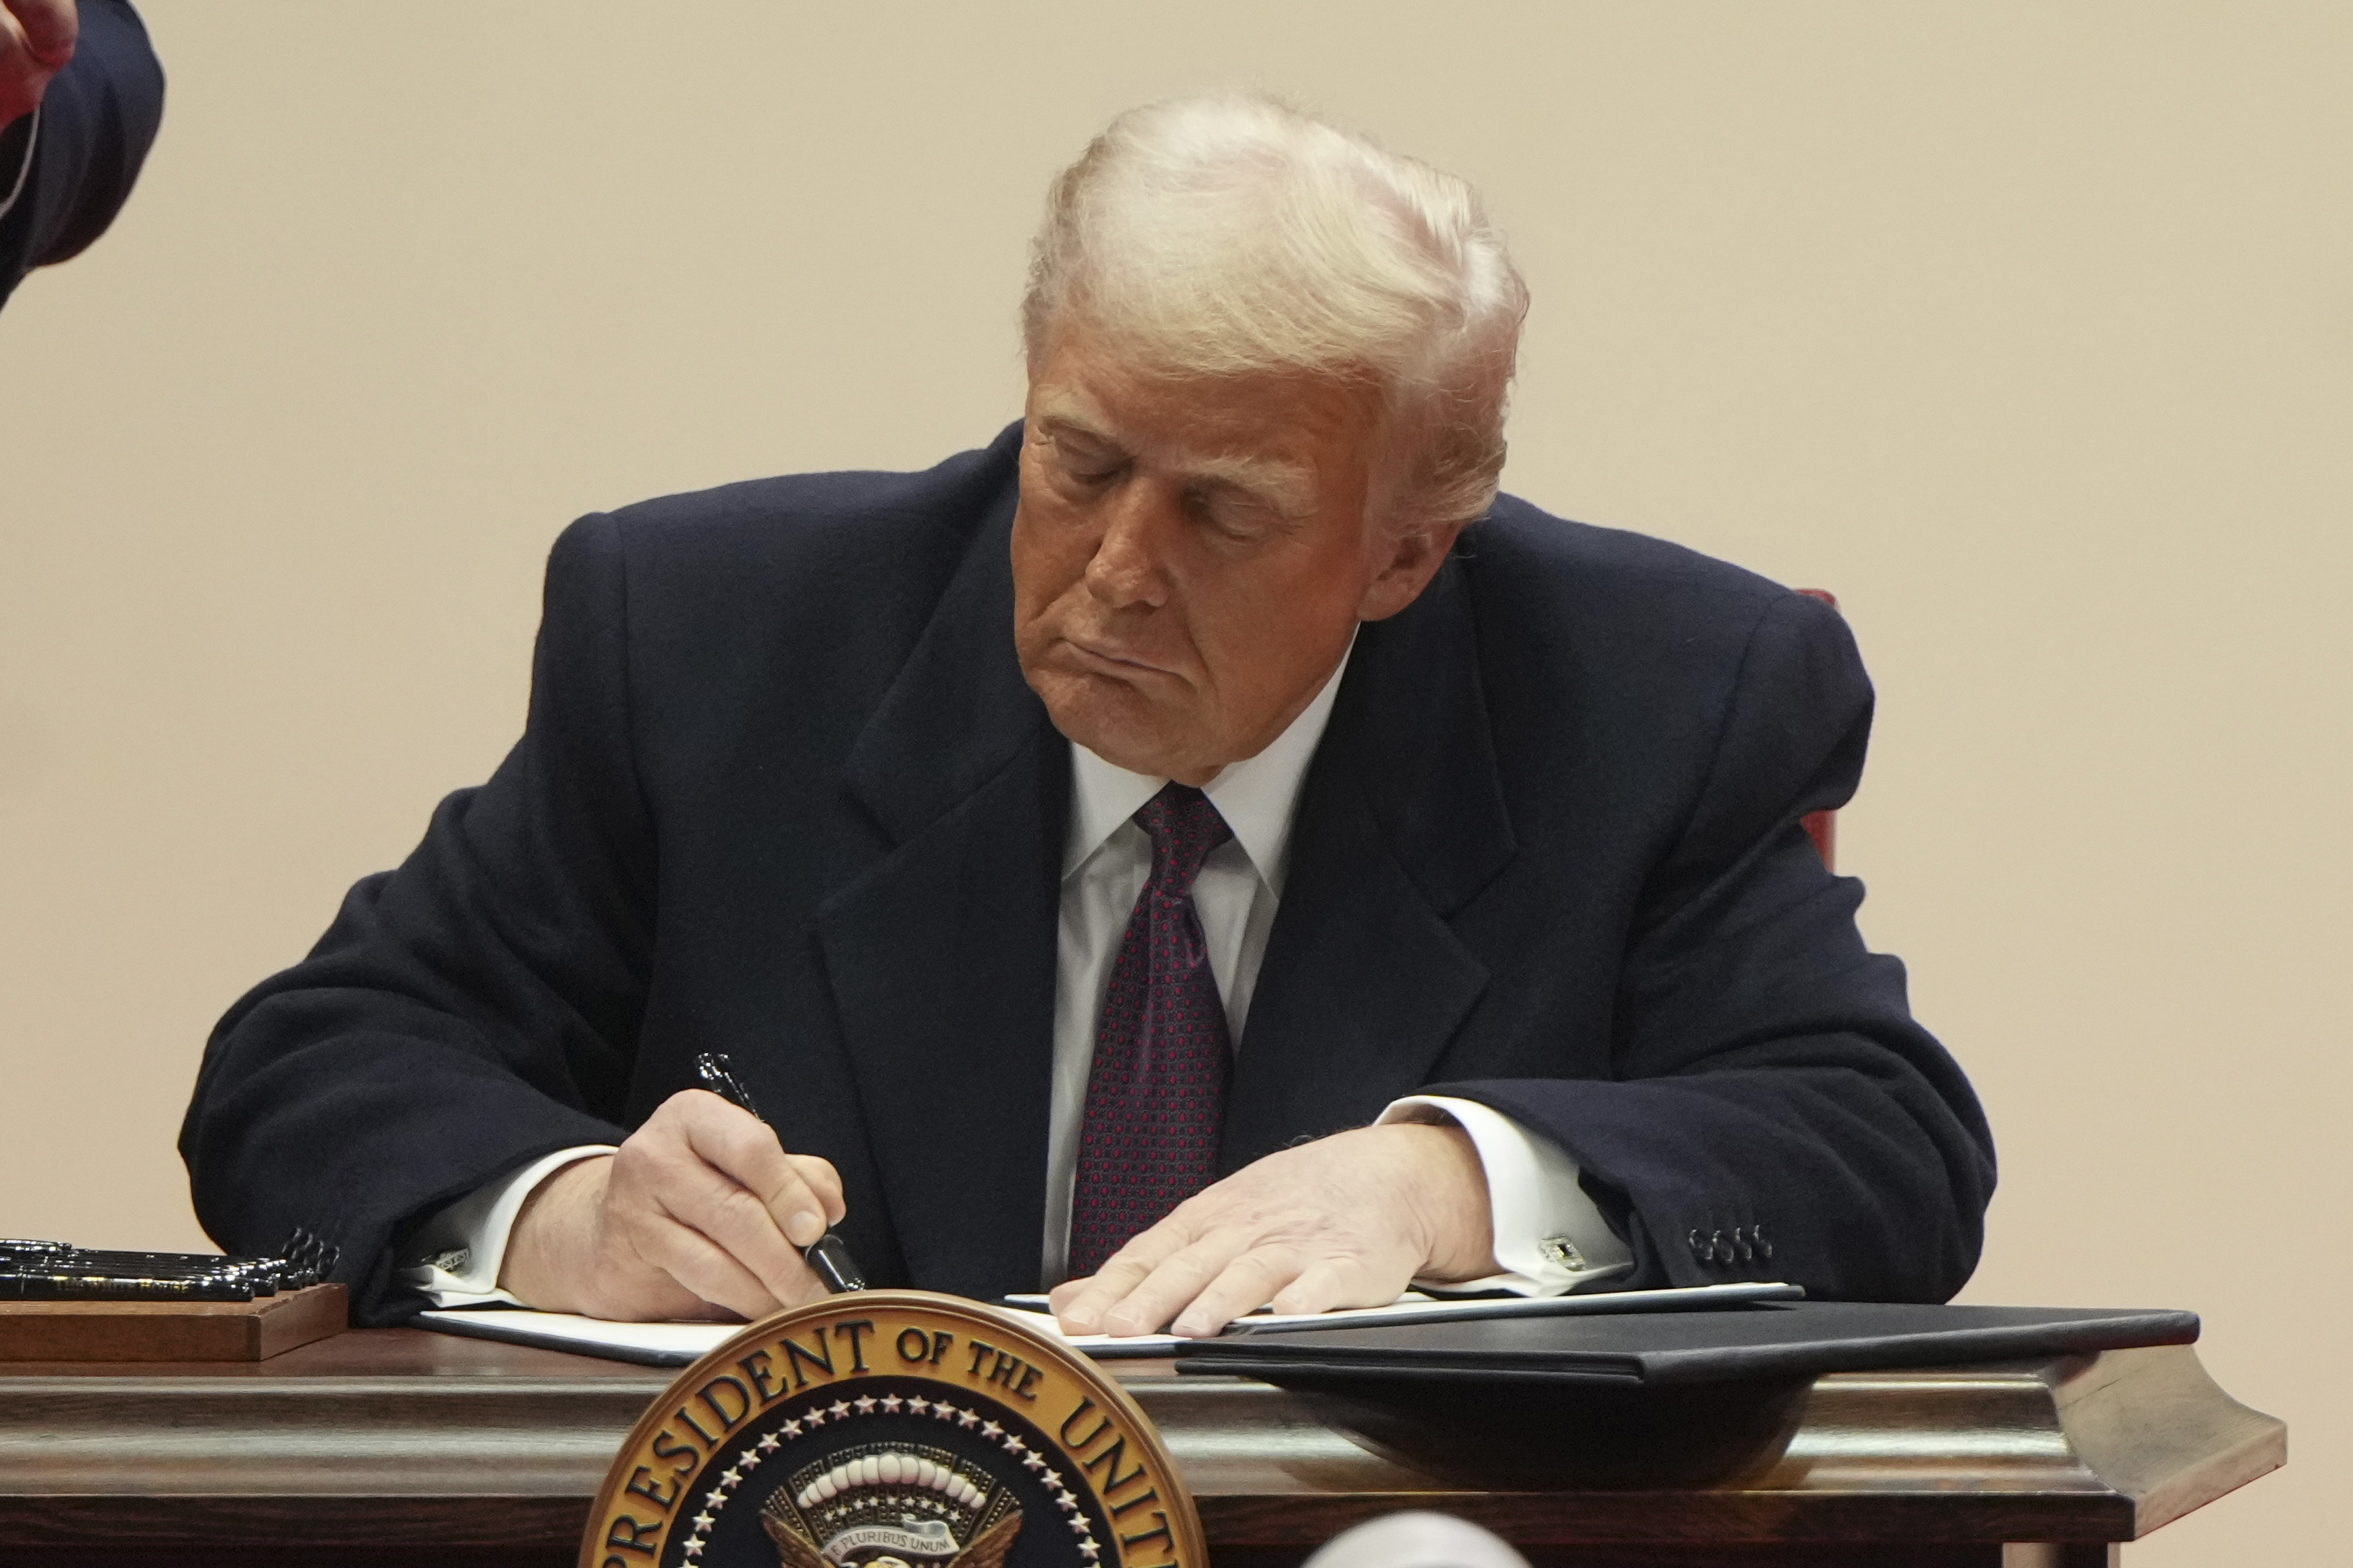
(1346, 1221)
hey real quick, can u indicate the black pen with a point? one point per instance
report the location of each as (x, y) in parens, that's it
(826, 1255)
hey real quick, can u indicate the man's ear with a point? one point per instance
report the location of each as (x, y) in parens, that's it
(1418, 554)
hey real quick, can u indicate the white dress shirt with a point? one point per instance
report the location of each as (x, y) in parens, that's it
(1548, 1236)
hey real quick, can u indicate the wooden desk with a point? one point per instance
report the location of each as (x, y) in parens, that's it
(403, 1446)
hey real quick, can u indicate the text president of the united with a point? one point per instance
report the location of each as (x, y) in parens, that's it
(1205, 848)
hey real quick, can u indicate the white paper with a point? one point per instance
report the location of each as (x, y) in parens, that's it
(677, 1344)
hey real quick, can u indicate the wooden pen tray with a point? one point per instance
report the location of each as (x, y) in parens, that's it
(171, 1331)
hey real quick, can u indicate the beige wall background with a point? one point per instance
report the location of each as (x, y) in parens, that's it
(2027, 327)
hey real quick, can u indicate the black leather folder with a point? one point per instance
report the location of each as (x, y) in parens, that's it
(1775, 1340)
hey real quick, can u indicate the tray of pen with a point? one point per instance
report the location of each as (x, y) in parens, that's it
(61, 1302)
(54, 1271)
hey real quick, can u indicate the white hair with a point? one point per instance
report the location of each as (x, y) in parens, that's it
(1236, 235)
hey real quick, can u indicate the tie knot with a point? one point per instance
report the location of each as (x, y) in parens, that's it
(1184, 827)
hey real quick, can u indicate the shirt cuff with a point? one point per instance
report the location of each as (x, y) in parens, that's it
(1549, 1235)
(457, 1254)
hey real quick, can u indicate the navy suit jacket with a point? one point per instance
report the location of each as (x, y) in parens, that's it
(784, 793)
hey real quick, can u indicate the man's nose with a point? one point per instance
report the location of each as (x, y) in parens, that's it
(1128, 569)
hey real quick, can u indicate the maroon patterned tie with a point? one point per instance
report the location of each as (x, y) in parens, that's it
(1156, 1096)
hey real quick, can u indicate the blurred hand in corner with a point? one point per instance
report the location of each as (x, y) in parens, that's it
(88, 67)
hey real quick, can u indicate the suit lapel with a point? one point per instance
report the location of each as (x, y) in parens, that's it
(941, 956)
(1400, 822)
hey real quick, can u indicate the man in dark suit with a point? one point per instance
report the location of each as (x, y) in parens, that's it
(1165, 854)
(81, 96)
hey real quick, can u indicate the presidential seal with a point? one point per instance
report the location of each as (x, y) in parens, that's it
(893, 1429)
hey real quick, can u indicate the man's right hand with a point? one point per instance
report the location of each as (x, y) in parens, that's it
(36, 39)
(701, 1214)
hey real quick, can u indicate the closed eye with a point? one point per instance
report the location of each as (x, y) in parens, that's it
(1231, 512)
(1081, 457)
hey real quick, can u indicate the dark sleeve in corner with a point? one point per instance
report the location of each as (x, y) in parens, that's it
(95, 125)
(1770, 1089)
(473, 1009)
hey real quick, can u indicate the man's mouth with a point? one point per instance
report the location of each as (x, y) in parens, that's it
(1092, 656)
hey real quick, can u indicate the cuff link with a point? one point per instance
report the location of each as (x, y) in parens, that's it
(454, 1261)
(1561, 1251)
